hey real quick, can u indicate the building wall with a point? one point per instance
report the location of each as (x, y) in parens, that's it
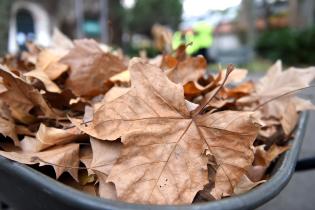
(60, 14)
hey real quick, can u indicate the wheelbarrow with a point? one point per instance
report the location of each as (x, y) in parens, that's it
(23, 188)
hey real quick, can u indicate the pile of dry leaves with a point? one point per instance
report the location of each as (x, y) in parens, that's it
(157, 131)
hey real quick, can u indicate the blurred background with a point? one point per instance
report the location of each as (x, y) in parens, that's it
(249, 33)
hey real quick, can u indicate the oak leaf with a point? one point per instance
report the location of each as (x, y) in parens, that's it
(164, 160)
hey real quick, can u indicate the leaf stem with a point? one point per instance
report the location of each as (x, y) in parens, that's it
(280, 96)
(200, 108)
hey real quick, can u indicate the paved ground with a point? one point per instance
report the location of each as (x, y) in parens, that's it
(299, 194)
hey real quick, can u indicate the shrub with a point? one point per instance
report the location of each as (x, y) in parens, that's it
(292, 47)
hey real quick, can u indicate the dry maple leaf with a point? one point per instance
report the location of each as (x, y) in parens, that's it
(40, 75)
(21, 97)
(193, 88)
(105, 155)
(7, 126)
(60, 42)
(61, 158)
(290, 119)
(239, 91)
(262, 160)
(163, 160)
(54, 136)
(245, 185)
(48, 63)
(190, 69)
(278, 82)
(86, 155)
(90, 67)
(31, 144)
(236, 76)
(114, 93)
(265, 157)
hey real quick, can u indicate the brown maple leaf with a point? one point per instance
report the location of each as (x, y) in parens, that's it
(164, 159)
(193, 88)
(48, 63)
(31, 144)
(7, 125)
(21, 97)
(105, 155)
(90, 67)
(42, 76)
(60, 42)
(276, 83)
(190, 69)
(245, 185)
(263, 159)
(62, 158)
(54, 136)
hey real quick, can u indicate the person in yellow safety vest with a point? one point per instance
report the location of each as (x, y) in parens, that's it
(184, 37)
(201, 38)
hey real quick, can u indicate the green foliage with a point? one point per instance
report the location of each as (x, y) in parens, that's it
(147, 12)
(292, 47)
